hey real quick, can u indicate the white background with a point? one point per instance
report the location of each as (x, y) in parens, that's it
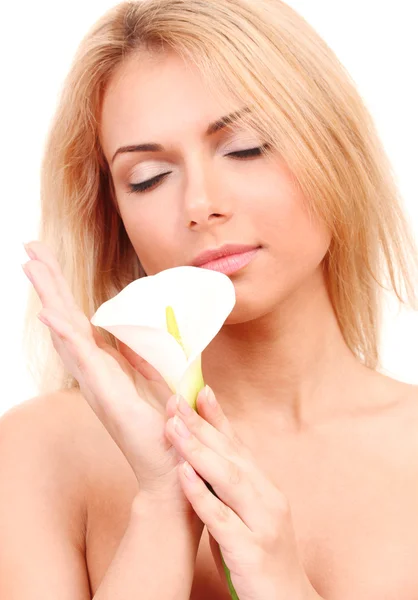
(375, 40)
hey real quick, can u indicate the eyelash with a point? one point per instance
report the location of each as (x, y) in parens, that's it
(140, 188)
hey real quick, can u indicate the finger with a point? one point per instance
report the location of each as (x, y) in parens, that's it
(205, 432)
(210, 409)
(212, 428)
(51, 299)
(109, 392)
(216, 554)
(47, 289)
(54, 292)
(75, 347)
(44, 286)
(221, 521)
(44, 255)
(104, 384)
(231, 482)
(60, 347)
(171, 406)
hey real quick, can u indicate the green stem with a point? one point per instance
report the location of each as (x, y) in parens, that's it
(173, 329)
(226, 570)
(198, 384)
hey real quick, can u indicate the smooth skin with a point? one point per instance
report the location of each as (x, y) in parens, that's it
(282, 356)
(72, 517)
(257, 535)
(337, 439)
(249, 517)
(130, 406)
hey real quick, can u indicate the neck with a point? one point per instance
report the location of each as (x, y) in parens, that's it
(292, 362)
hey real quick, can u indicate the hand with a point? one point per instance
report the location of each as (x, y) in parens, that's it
(126, 393)
(250, 520)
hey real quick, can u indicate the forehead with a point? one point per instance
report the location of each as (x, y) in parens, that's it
(151, 98)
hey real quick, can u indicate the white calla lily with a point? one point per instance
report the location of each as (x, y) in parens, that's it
(169, 319)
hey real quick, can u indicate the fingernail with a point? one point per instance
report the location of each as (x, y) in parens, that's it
(29, 252)
(26, 272)
(210, 396)
(183, 407)
(181, 427)
(44, 320)
(189, 471)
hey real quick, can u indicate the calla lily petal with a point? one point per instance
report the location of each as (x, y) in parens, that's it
(169, 319)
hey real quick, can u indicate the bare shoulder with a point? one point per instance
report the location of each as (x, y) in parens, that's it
(43, 497)
(400, 417)
(403, 395)
(44, 437)
(408, 394)
(63, 481)
(70, 438)
(57, 421)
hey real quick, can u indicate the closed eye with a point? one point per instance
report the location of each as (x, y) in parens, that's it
(250, 152)
(151, 183)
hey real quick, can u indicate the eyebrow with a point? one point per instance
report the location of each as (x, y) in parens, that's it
(212, 128)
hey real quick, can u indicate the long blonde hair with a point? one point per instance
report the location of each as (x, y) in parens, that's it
(304, 104)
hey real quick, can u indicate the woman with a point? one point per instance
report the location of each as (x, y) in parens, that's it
(259, 137)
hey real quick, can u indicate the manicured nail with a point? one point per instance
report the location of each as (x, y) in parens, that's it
(181, 427)
(27, 273)
(30, 252)
(44, 320)
(183, 407)
(210, 396)
(189, 471)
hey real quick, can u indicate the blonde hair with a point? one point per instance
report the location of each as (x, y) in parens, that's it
(305, 105)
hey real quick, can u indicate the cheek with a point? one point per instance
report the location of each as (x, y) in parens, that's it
(297, 241)
(153, 242)
(299, 237)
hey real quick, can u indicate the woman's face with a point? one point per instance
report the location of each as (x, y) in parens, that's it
(208, 196)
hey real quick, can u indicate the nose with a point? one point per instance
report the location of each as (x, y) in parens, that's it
(207, 201)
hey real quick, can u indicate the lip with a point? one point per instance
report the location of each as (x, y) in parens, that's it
(232, 262)
(225, 250)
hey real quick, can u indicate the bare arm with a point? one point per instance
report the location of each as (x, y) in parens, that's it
(156, 556)
(43, 520)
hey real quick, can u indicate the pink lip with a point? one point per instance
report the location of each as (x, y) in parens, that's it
(215, 253)
(230, 264)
